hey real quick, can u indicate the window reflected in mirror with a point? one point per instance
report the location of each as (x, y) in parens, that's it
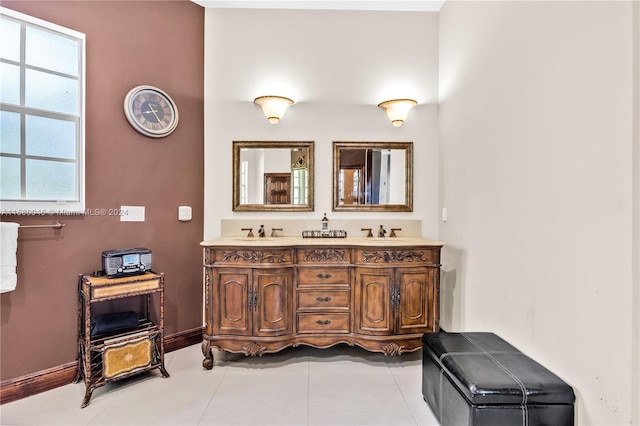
(373, 176)
(272, 176)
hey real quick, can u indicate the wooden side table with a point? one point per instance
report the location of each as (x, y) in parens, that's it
(103, 358)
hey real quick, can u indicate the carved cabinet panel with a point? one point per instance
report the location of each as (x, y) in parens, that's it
(394, 300)
(373, 301)
(272, 302)
(251, 302)
(232, 301)
(414, 291)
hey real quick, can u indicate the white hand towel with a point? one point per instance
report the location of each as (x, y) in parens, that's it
(8, 250)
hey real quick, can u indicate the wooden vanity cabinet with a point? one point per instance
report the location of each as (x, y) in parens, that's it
(263, 299)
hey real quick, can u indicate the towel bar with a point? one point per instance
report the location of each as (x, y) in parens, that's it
(55, 224)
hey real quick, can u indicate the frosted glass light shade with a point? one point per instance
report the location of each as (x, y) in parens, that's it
(273, 106)
(397, 109)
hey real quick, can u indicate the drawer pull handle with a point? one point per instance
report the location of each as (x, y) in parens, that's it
(325, 322)
(323, 299)
(324, 275)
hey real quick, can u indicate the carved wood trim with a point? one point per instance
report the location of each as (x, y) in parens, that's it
(393, 256)
(254, 349)
(208, 257)
(324, 255)
(392, 348)
(207, 287)
(252, 256)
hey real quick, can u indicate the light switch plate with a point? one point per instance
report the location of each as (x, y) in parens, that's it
(184, 213)
(132, 214)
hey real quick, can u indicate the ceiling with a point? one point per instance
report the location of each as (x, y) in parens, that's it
(388, 5)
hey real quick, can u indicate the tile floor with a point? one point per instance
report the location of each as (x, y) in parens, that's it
(298, 386)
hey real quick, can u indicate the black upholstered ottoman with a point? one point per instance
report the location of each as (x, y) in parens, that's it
(479, 379)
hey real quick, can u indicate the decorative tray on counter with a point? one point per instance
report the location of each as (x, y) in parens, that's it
(325, 234)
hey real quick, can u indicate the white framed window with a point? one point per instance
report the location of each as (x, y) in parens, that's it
(42, 114)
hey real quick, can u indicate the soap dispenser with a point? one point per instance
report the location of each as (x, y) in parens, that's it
(325, 223)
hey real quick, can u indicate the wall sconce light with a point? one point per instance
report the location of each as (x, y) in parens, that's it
(273, 106)
(397, 109)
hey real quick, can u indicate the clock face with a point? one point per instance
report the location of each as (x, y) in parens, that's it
(151, 111)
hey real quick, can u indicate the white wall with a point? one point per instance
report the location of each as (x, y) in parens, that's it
(536, 134)
(337, 66)
(539, 158)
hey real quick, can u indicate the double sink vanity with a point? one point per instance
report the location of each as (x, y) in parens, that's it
(263, 294)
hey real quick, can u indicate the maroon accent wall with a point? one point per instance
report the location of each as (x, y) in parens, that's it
(128, 43)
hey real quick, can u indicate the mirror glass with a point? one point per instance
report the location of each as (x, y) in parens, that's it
(373, 176)
(272, 176)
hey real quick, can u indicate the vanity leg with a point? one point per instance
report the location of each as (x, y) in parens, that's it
(208, 356)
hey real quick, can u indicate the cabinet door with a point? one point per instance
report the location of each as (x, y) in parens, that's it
(415, 288)
(373, 313)
(231, 302)
(273, 302)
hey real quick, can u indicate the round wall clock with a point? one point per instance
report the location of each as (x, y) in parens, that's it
(151, 111)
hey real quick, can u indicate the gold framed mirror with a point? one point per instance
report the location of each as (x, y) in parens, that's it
(272, 176)
(373, 176)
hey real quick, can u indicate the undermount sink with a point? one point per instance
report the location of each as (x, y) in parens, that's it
(254, 239)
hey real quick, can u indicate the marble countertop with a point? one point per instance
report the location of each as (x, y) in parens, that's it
(299, 241)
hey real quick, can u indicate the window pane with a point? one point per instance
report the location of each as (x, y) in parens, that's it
(10, 84)
(51, 92)
(47, 50)
(51, 180)
(41, 114)
(9, 178)
(10, 36)
(9, 132)
(48, 137)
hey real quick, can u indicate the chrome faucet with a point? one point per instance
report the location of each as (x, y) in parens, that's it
(381, 232)
(261, 232)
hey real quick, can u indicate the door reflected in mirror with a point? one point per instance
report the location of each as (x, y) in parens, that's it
(373, 176)
(272, 176)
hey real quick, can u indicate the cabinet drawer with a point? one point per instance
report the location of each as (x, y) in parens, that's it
(323, 323)
(323, 299)
(320, 276)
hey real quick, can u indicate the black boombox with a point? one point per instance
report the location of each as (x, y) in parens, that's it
(126, 262)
